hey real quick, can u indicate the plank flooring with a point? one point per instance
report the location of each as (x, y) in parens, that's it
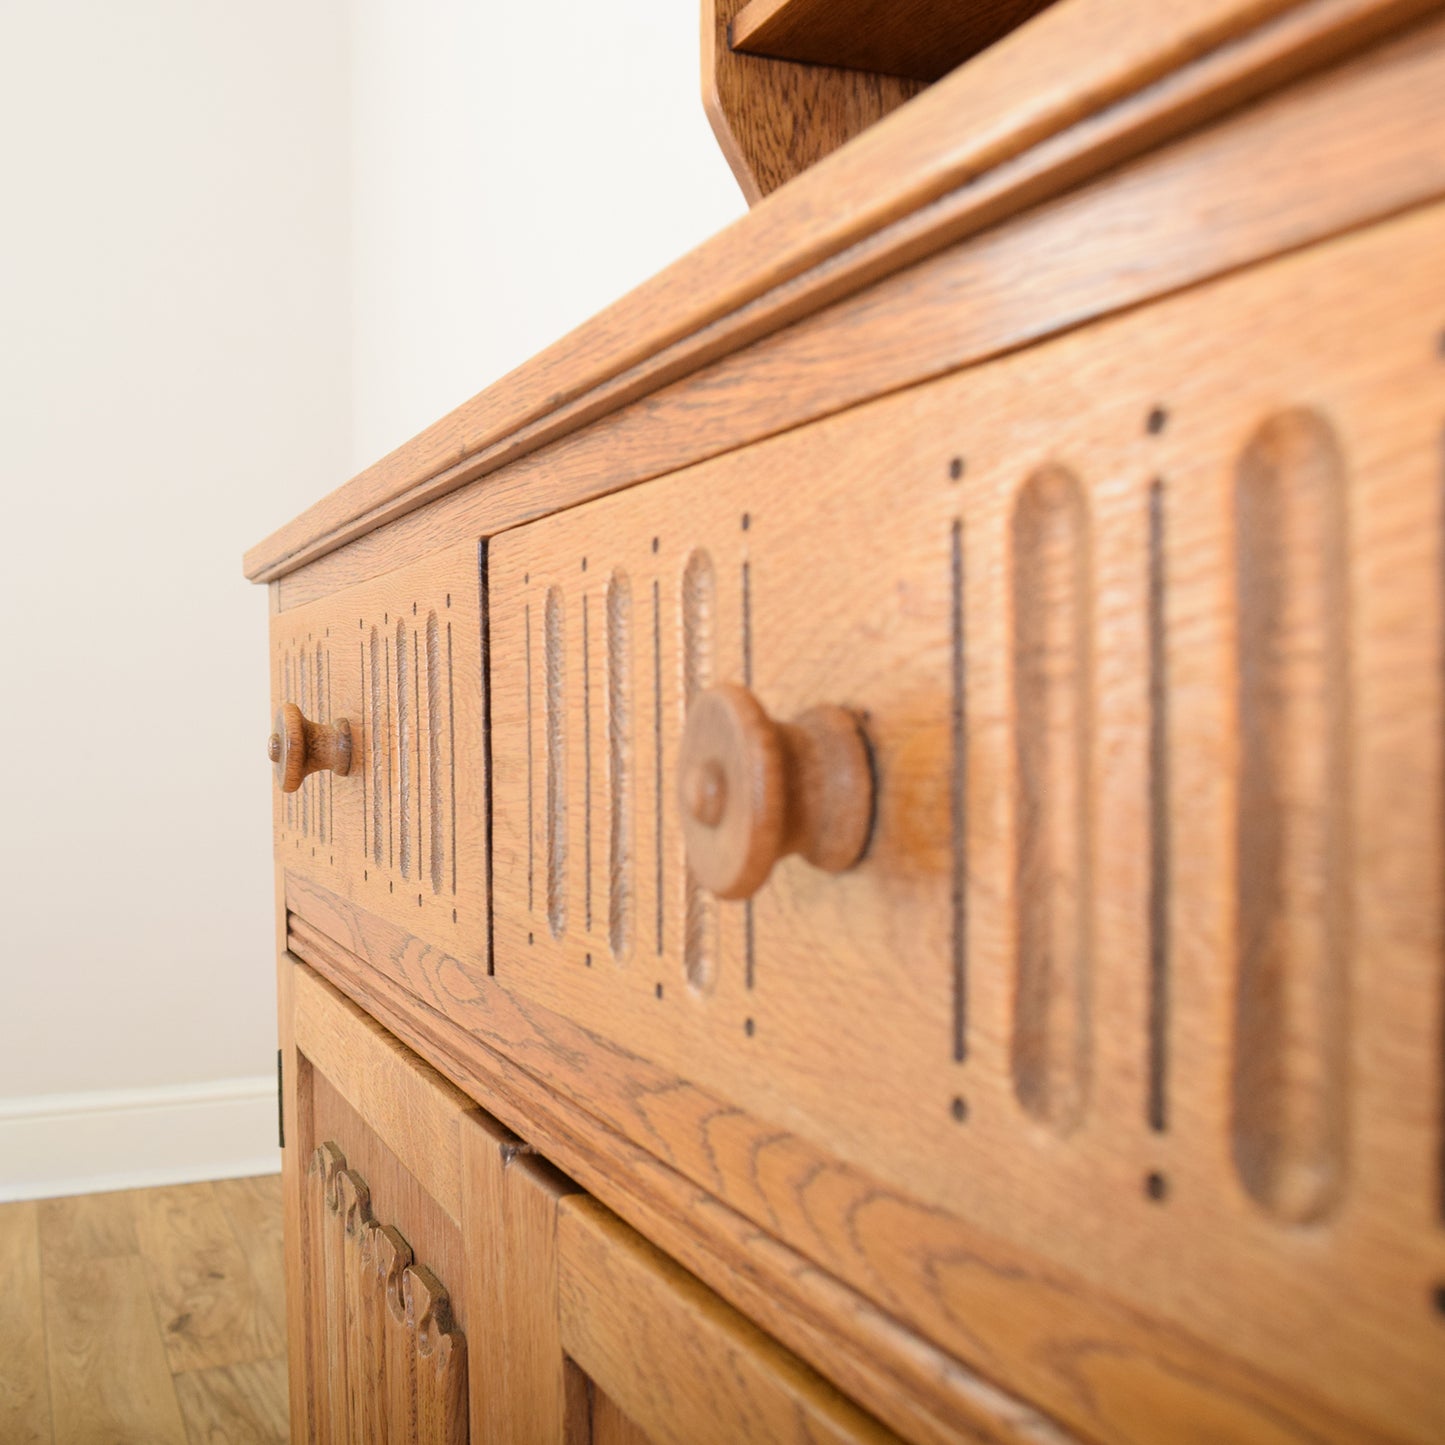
(147, 1315)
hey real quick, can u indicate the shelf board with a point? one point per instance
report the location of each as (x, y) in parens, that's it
(915, 39)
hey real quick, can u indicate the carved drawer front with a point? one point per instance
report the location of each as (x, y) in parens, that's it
(395, 665)
(1139, 974)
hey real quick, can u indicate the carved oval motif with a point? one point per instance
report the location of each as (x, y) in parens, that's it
(1052, 667)
(1292, 867)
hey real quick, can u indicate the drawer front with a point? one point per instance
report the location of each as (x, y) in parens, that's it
(1140, 969)
(403, 833)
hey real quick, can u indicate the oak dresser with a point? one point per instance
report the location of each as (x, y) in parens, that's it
(859, 844)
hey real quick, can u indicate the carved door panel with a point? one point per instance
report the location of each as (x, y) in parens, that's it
(377, 1298)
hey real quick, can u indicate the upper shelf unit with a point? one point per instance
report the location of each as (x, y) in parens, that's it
(911, 39)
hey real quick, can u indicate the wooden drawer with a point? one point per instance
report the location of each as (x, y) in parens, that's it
(1139, 973)
(403, 833)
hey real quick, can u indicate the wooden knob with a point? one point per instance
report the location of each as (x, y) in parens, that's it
(300, 747)
(753, 790)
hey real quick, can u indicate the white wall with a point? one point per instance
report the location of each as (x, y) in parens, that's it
(175, 332)
(245, 250)
(515, 168)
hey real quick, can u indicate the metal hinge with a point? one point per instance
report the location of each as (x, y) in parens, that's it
(280, 1102)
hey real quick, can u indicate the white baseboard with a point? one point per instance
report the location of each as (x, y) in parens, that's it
(54, 1144)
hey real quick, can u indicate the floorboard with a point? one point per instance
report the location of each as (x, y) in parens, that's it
(24, 1388)
(153, 1316)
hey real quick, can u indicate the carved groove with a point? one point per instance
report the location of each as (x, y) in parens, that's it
(406, 782)
(304, 703)
(958, 801)
(619, 763)
(323, 780)
(434, 751)
(555, 703)
(1293, 922)
(661, 892)
(1157, 1105)
(384, 1352)
(531, 782)
(421, 794)
(699, 599)
(1051, 601)
(288, 800)
(586, 767)
(377, 753)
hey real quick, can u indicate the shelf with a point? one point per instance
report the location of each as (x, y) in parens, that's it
(915, 39)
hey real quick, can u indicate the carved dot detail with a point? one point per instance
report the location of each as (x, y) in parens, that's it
(659, 990)
(956, 468)
(1440, 1299)
(1156, 1186)
(1156, 422)
(959, 1109)
(749, 1027)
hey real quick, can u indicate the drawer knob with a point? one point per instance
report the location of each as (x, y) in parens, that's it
(300, 747)
(753, 790)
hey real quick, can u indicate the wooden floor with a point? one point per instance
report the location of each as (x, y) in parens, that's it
(150, 1315)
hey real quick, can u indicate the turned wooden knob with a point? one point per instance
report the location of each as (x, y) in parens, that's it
(753, 790)
(300, 747)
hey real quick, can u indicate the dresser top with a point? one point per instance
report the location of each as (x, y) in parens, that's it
(1083, 86)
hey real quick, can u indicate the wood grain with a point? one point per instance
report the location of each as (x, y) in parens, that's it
(834, 1002)
(400, 659)
(925, 1393)
(235, 1404)
(916, 39)
(209, 1307)
(415, 1113)
(680, 1364)
(1090, 70)
(86, 1226)
(253, 1207)
(1159, 224)
(774, 118)
(24, 1390)
(109, 1375)
(522, 1392)
(298, 1222)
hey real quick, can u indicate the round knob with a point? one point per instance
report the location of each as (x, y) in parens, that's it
(753, 790)
(300, 747)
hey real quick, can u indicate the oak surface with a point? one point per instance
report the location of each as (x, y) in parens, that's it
(146, 1316)
(1078, 679)
(774, 118)
(678, 1362)
(917, 39)
(24, 1388)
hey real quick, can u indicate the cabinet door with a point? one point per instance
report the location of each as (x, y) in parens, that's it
(654, 1356)
(377, 1306)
